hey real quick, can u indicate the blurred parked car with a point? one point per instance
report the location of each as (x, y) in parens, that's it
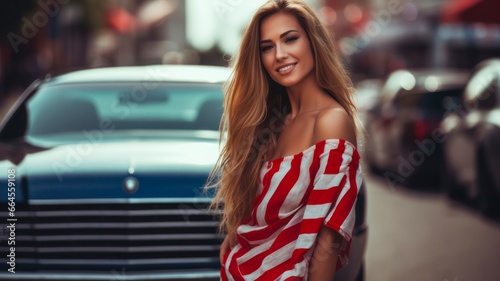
(108, 166)
(472, 149)
(404, 139)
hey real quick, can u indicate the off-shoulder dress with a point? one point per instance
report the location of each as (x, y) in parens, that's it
(298, 194)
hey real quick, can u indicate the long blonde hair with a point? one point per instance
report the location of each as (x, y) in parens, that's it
(255, 106)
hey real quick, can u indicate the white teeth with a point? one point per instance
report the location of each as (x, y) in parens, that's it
(286, 68)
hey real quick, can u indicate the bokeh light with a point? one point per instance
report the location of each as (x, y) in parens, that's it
(353, 13)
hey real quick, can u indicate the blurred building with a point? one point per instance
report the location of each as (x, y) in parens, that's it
(469, 33)
(375, 36)
(380, 36)
(50, 37)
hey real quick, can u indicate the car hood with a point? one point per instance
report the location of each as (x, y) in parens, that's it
(131, 169)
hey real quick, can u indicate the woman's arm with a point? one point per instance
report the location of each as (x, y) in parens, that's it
(330, 123)
(225, 247)
(324, 259)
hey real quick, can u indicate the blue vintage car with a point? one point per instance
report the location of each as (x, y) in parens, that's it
(106, 168)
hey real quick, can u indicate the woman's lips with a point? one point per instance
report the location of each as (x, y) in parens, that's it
(286, 69)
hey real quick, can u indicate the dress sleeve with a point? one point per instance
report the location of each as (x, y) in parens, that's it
(336, 186)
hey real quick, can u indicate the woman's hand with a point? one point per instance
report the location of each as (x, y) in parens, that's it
(224, 247)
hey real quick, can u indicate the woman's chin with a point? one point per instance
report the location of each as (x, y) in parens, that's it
(287, 82)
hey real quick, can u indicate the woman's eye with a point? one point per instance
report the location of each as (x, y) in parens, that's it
(265, 48)
(291, 39)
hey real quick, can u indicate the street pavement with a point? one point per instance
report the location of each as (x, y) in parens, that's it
(415, 236)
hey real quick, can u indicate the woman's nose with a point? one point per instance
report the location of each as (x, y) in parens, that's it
(281, 52)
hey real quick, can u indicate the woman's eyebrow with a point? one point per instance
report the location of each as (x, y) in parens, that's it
(281, 36)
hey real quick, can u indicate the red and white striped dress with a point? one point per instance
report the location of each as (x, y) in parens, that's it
(298, 194)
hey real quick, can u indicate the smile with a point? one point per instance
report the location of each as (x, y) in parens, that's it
(287, 68)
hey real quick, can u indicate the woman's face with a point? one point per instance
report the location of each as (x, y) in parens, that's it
(285, 50)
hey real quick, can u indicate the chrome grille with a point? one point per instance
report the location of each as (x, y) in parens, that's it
(120, 234)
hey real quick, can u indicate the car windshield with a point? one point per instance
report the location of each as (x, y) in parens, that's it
(76, 110)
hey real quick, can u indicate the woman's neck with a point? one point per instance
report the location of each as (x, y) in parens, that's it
(307, 96)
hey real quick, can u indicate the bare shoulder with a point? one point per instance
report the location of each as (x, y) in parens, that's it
(334, 123)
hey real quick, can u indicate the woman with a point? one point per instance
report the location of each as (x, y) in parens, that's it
(288, 175)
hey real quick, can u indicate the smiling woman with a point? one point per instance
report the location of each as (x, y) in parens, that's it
(288, 176)
(281, 54)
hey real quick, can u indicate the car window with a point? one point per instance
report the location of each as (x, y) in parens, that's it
(431, 102)
(439, 102)
(129, 106)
